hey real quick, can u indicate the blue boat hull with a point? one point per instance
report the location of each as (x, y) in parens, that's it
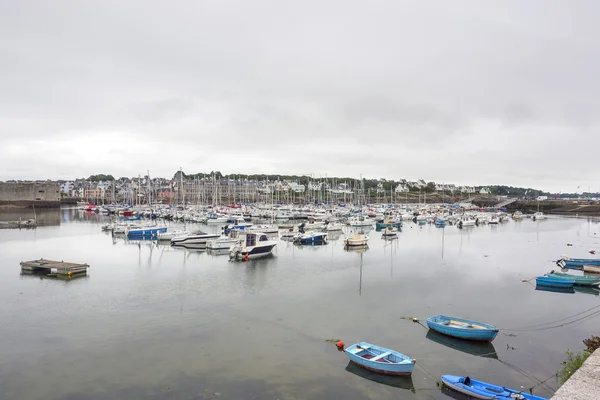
(577, 263)
(483, 390)
(145, 233)
(554, 282)
(438, 323)
(403, 366)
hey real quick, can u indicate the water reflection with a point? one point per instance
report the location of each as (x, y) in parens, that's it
(554, 289)
(480, 349)
(402, 382)
(587, 290)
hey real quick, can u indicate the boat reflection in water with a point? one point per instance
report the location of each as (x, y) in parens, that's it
(587, 290)
(357, 249)
(545, 288)
(402, 382)
(480, 349)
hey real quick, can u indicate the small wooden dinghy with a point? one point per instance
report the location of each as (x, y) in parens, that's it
(483, 390)
(379, 359)
(462, 328)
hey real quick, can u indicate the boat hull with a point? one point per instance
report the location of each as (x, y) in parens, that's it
(486, 334)
(195, 241)
(145, 232)
(578, 280)
(483, 390)
(554, 282)
(383, 371)
(255, 252)
(403, 366)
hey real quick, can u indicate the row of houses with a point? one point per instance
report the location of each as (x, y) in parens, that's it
(405, 186)
(130, 189)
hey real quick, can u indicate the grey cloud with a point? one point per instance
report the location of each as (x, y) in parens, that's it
(459, 91)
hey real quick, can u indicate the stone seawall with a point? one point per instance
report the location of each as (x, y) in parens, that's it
(27, 194)
(584, 384)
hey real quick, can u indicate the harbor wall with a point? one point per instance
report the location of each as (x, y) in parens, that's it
(584, 384)
(27, 194)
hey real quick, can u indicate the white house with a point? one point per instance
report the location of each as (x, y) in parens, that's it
(484, 190)
(401, 188)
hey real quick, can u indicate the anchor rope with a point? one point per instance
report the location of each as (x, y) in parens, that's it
(589, 316)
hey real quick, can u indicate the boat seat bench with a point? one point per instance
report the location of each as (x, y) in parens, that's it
(387, 353)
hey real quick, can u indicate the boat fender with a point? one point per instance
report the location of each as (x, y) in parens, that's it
(246, 257)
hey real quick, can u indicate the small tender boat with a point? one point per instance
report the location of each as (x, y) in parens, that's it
(576, 263)
(518, 215)
(538, 216)
(379, 359)
(390, 232)
(357, 240)
(462, 328)
(312, 238)
(554, 282)
(483, 390)
(579, 280)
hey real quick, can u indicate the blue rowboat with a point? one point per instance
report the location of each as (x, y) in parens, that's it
(379, 359)
(576, 263)
(483, 390)
(462, 328)
(554, 282)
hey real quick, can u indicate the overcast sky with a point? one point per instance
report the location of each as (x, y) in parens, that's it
(466, 92)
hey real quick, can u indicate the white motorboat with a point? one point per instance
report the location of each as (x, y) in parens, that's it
(252, 245)
(167, 236)
(222, 243)
(197, 238)
(215, 218)
(268, 229)
(465, 221)
(518, 215)
(538, 216)
(493, 219)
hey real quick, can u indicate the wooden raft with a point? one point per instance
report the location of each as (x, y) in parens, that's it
(47, 267)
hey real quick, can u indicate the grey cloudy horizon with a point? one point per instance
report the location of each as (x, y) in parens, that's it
(463, 92)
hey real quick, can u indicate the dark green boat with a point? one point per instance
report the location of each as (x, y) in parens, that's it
(578, 279)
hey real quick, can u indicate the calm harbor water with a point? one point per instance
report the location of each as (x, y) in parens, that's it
(152, 321)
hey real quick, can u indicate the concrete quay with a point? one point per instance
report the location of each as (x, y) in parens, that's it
(584, 384)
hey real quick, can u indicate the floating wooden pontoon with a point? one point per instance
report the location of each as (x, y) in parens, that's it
(59, 268)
